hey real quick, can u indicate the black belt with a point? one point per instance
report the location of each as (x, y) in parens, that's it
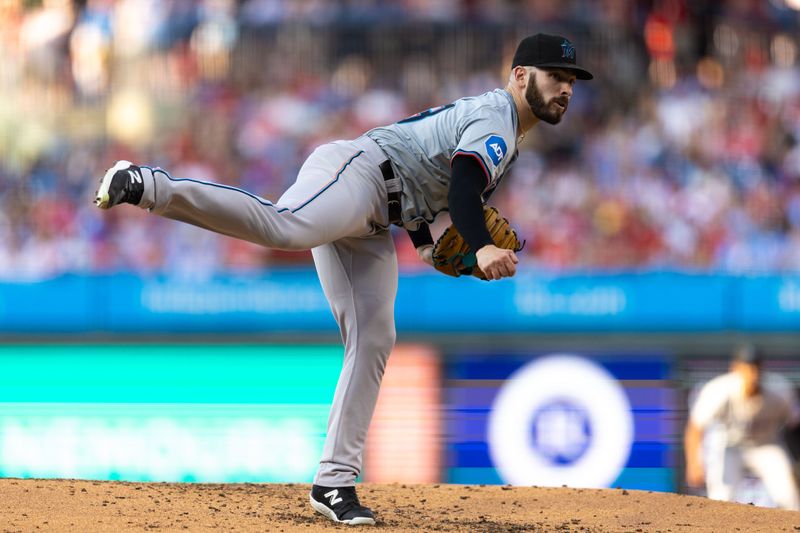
(392, 193)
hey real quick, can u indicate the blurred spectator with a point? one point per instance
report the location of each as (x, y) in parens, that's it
(683, 154)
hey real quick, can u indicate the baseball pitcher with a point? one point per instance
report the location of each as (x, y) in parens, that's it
(346, 196)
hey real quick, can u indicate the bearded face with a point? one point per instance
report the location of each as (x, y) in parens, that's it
(550, 110)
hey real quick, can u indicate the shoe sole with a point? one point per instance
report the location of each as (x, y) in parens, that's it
(328, 513)
(101, 196)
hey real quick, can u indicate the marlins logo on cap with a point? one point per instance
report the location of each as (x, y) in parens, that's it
(567, 50)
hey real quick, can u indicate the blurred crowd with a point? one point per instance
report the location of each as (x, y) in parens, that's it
(682, 154)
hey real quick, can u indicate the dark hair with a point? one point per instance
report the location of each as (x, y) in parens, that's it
(748, 353)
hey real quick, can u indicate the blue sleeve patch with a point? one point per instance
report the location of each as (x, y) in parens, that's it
(496, 148)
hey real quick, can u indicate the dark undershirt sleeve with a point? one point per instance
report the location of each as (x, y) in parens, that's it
(467, 182)
(421, 237)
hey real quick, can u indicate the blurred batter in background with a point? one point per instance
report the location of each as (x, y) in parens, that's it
(750, 408)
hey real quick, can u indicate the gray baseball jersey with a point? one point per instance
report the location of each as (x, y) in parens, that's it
(747, 434)
(338, 208)
(421, 148)
(746, 421)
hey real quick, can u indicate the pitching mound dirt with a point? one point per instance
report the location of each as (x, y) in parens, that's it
(88, 506)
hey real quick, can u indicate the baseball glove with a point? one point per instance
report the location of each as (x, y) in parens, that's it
(451, 253)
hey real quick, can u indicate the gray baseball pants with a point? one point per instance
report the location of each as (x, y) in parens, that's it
(338, 209)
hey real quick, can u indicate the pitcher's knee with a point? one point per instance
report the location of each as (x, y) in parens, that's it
(380, 343)
(392, 338)
(386, 346)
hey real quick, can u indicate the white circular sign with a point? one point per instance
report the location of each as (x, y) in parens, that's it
(560, 420)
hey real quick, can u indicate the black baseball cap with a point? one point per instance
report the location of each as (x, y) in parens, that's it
(748, 353)
(553, 51)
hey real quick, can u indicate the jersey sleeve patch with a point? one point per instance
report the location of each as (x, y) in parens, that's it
(496, 149)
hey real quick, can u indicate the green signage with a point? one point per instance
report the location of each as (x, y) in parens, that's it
(222, 413)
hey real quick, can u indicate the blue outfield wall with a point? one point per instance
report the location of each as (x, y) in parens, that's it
(292, 301)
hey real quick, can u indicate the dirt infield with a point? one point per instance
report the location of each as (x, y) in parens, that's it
(87, 506)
